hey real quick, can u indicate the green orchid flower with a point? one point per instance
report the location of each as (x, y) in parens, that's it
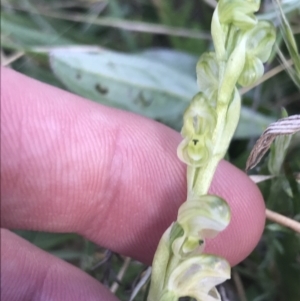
(197, 277)
(200, 218)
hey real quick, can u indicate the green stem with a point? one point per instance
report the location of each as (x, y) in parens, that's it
(205, 175)
(191, 175)
(159, 267)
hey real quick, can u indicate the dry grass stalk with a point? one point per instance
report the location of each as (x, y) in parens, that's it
(283, 220)
(120, 275)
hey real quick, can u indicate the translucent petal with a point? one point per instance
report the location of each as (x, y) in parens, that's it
(207, 72)
(199, 117)
(197, 277)
(208, 212)
(200, 218)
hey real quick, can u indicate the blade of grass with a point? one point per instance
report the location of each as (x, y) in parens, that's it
(38, 20)
(135, 26)
(141, 283)
(287, 7)
(290, 42)
(116, 12)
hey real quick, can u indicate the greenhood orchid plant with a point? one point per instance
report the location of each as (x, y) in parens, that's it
(242, 44)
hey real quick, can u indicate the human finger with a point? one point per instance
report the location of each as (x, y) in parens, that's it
(72, 165)
(28, 273)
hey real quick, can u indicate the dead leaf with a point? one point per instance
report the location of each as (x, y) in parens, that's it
(260, 178)
(284, 126)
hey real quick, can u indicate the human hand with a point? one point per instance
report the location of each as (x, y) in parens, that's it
(72, 165)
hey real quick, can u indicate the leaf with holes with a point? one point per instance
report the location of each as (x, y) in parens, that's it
(145, 83)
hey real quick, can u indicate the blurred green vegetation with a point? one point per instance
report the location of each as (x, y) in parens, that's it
(34, 29)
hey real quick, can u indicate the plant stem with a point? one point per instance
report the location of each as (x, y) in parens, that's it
(283, 220)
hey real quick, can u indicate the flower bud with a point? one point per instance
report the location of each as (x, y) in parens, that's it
(259, 45)
(253, 70)
(261, 40)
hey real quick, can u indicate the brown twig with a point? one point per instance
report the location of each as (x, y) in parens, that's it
(283, 220)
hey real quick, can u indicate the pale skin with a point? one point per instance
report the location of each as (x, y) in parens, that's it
(71, 165)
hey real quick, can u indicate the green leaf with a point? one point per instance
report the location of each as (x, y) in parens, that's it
(179, 60)
(46, 240)
(68, 254)
(144, 83)
(130, 82)
(251, 124)
(278, 153)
